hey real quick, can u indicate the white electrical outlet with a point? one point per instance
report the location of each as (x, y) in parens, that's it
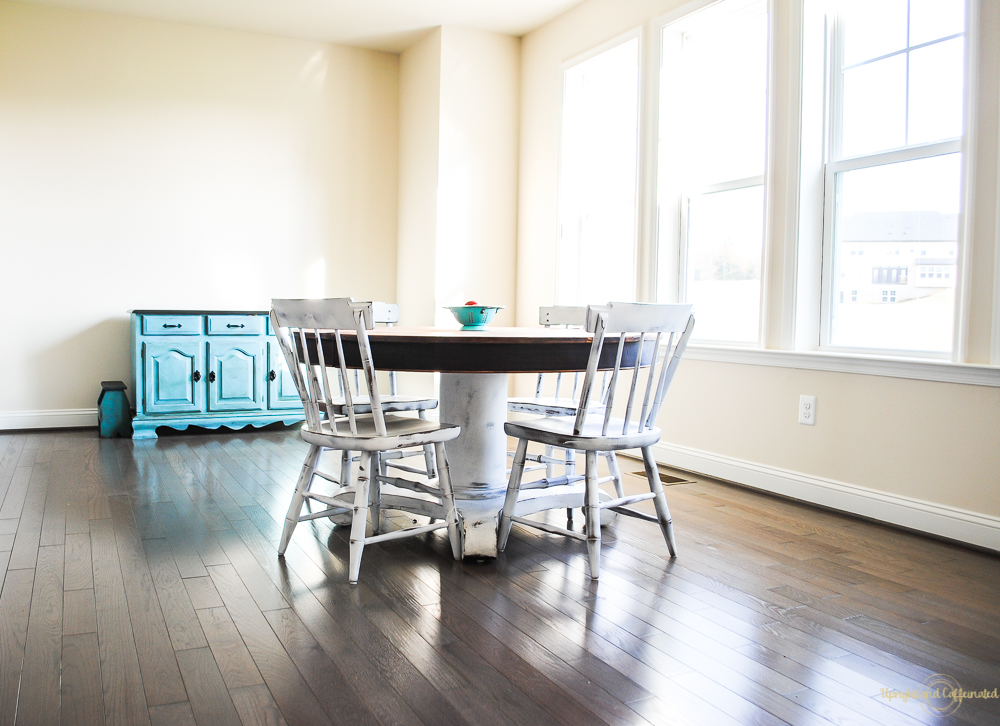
(807, 410)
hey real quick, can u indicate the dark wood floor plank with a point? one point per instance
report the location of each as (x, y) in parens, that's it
(600, 693)
(15, 602)
(334, 691)
(230, 652)
(160, 676)
(207, 693)
(17, 489)
(202, 592)
(207, 485)
(256, 706)
(178, 613)
(82, 700)
(29, 527)
(395, 667)
(172, 714)
(60, 482)
(253, 576)
(199, 529)
(79, 612)
(186, 556)
(372, 684)
(124, 698)
(79, 573)
(297, 702)
(38, 701)
(77, 514)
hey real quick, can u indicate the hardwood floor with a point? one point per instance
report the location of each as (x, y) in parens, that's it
(141, 585)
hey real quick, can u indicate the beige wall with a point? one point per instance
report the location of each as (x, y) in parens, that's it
(477, 187)
(419, 148)
(459, 117)
(147, 164)
(920, 439)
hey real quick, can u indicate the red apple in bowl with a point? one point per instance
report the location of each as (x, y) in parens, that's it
(471, 302)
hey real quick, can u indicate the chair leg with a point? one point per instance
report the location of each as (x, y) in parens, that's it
(345, 469)
(569, 468)
(448, 500)
(301, 487)
(375, 492)
(593, 498)
(359, 522)
(616, 472)
(513, 487)
(659, 500)
(429, 465)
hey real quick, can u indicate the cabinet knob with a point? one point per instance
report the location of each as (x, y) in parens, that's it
(211, 376)
(196, 376)
(271, 376)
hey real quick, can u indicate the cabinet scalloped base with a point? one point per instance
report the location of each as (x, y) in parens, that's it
(145, 427)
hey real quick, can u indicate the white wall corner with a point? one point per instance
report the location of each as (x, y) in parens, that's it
(55, 418)
(961, 525)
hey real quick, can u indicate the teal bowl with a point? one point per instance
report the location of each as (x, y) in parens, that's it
(475, 317)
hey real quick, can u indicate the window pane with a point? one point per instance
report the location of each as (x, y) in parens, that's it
(896, 229)
(874, 117)
(597, 178)
(933, 19)
(725, 238)
(713, 134)
(872, 28)
(720, 98)
(936, 74)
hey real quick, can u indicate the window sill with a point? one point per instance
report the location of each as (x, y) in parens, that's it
(923, 370)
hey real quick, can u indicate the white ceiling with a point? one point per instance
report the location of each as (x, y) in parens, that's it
(379, 24)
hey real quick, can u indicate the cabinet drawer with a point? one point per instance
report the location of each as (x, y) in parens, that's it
(171, 325)
(235, 324)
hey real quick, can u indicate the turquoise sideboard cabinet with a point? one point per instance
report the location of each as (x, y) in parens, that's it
(210, 369)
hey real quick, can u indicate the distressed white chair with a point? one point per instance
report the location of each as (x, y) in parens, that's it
(567, 317)
(388, 314)
(353, 427)
(594, 430)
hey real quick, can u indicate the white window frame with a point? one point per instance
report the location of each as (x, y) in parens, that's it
(795, 172)
(833, 165)
(674, 243)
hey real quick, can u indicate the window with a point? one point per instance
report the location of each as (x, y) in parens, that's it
(598, 178)
(713, 112)
(893, 177)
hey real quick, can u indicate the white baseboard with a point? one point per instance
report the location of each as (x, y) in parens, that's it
(982, 530)
(56, 418)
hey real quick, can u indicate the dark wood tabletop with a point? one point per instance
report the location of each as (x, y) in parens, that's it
(494, 350)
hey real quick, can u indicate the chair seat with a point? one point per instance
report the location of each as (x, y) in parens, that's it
(391, 403)
(546, 405)
(401, 432)
(558, 431)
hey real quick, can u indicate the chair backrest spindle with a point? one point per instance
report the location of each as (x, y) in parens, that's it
(567, 316)
(635, 325)
(295, 321)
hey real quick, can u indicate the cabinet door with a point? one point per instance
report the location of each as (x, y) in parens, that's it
(281, 391)
(173, 372)
(236, 375)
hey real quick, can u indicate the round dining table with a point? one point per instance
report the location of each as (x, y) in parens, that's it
(474, 365)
